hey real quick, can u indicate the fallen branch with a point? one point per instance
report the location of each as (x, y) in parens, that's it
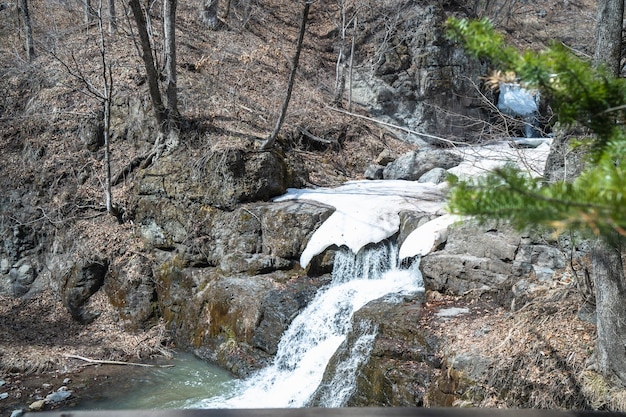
(314, 138)
(105, 362)
(404, 129)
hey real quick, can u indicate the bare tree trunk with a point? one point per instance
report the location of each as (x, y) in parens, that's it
(28, 30)
(351, 65)
(169, 29)
(108, 91)
(106, 96)
(87, 11)
(340, 70)
(292, 77)
(609, 357)
(112, 17)
(148, 60)
(610, 291)
(609, 34)
(209, 13)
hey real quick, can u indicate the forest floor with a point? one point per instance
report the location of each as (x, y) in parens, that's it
(231, 80)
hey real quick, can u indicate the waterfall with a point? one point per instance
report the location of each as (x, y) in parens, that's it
(342, 384)
(316, 333)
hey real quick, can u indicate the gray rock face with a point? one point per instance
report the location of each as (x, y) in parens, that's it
(415, 77)
(20, 260)
(413, 165)
(22, 277)
(474, 257)
(564, 162)
(131, 289)
(231, 286)
(374, 172)
(80, 283)
(219, 179)
(91, 132)
(435, 175)
(492, 259)
(278, 310)
(401, 362)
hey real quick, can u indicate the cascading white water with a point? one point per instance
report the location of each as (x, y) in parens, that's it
(316, 333)
(343, 383)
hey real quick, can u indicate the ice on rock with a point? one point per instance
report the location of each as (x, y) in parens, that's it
(366, 211)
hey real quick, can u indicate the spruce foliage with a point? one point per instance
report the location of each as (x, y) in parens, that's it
(578, 93)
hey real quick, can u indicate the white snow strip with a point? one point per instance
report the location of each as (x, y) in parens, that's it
(427, 237)
(478, 160)
(366, 211)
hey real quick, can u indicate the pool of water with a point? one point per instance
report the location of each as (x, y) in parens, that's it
(189, 381)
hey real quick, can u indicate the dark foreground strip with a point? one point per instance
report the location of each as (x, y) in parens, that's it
(330, 412)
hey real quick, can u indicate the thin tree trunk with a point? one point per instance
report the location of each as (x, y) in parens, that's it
(609, 357)
(340, 74)
(28, 30)
(610, 291)
(351, 65)
(292, 77)
(148, 60)
(87, 11)
(112, 17)
(609, 34)
(107, 149)
(107, 97)
(169, 29)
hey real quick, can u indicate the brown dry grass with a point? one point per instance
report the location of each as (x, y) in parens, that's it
(231, 86)
(536, 355)
(22, 338)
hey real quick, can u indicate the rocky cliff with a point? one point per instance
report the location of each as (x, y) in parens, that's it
(200, 245)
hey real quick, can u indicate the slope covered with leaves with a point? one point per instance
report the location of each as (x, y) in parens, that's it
(231, 85)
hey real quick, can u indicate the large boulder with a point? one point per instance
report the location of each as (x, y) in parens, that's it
(80, 283)
(130, 287)
(222, 178)
(475, 258)
(495, 259)
(411, 166)
(400, 364)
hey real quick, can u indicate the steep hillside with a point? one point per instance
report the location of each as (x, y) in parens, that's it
(231, 86)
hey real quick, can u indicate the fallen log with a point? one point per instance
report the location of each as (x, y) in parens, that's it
(107, 362)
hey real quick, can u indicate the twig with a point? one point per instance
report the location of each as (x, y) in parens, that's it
(105, 362)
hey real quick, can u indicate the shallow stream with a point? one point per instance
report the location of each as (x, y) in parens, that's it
(189, 380)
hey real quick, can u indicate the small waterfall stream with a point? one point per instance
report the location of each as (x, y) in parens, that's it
(315, 334)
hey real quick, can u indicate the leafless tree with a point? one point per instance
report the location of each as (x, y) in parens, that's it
(28, 30)
(112, 18)
(103, 93)
(348, 16)
(608, 49)
(169, 23)
(87, 12)
(148, 60)
(292, 77)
